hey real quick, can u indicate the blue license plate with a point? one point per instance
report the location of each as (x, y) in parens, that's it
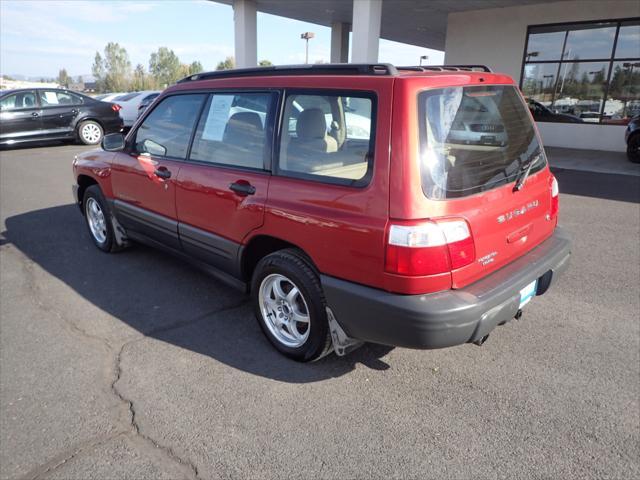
(527, 293)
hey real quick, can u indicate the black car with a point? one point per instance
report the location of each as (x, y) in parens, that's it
(543, 114)
(632, 137)
(36, 114)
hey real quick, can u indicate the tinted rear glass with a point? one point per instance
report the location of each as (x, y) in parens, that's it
(473, 139)
(126, 97)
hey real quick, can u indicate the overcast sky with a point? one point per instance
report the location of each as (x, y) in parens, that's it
(39, 37)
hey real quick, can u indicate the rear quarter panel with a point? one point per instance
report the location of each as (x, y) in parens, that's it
(341, 228)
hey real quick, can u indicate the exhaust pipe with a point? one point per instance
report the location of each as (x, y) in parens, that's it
(518, 315)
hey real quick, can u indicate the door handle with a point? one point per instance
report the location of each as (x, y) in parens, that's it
(162, 172)
(35, 114)
(242, 189)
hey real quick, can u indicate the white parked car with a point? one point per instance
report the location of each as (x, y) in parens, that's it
(130, 103)
(108, 97)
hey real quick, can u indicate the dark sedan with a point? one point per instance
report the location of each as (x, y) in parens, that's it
(36, 114)
(543, 114)
(632, 137)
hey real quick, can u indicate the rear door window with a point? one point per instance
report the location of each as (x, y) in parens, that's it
(473, 139)
(233, 130)
(52, 98)
(167, 130)
(328, 137)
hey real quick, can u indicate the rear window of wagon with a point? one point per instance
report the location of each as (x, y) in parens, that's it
(474, 139)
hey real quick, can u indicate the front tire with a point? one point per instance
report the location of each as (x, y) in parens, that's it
(633, 148)
(290, 306)
(98, 218)
(90, 132)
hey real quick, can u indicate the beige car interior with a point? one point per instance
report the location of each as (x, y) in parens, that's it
(315, 149)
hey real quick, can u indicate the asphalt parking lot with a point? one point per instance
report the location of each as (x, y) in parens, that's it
(137, 366)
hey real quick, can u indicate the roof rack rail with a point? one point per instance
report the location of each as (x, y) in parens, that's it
(442, 68)
(316, 69)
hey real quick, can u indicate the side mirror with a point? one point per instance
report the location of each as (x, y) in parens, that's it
(113, 142)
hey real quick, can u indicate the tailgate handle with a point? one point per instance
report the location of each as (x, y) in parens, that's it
(518, 234)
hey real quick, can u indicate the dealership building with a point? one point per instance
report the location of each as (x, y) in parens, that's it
(578, 62)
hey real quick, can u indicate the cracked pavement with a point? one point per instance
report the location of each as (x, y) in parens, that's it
(135, 365)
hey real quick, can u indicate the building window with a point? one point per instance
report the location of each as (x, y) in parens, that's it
(583, 72)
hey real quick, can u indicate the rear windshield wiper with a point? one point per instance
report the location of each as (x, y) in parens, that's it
(525, 169)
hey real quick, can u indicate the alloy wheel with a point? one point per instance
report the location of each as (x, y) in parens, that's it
(90, 133)
(284, 310)
(97, 221)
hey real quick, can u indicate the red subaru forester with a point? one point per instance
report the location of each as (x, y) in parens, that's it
(408, 206)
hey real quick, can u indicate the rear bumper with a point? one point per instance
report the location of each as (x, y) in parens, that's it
(449, 318)
(113, 125)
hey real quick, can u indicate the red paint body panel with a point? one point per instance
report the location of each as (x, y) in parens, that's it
(204, 200)
(95, 164)
(134, 182)
(342, 229)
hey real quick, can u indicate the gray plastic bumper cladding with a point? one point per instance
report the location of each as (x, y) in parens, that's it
(448, 318)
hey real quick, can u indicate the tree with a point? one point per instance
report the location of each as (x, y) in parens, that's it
(195, 67)
(98, 72)
(113, 73)
(117, 67)
(165, 67)
(191, 69)
(64, 80)
(141, 80)
(227, 64)
(265, 63)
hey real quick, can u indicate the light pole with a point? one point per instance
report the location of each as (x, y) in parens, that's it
(306, 36)
(566, 54)
(423, 57)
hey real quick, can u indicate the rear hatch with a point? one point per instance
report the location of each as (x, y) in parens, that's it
(477, 146)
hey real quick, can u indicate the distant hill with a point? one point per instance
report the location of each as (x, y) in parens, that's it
(87, 77)
(12, 84)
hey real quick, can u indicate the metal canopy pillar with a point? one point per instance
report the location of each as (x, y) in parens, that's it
(367, 15)
(245, 33)
(340, 42)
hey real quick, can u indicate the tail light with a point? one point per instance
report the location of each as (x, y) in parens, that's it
(115, 107)
(429, 247)
(555, 197)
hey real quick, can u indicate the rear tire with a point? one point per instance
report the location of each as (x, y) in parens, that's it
(90, 132)
(633, 148)
(290, 306)
(98, 217)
